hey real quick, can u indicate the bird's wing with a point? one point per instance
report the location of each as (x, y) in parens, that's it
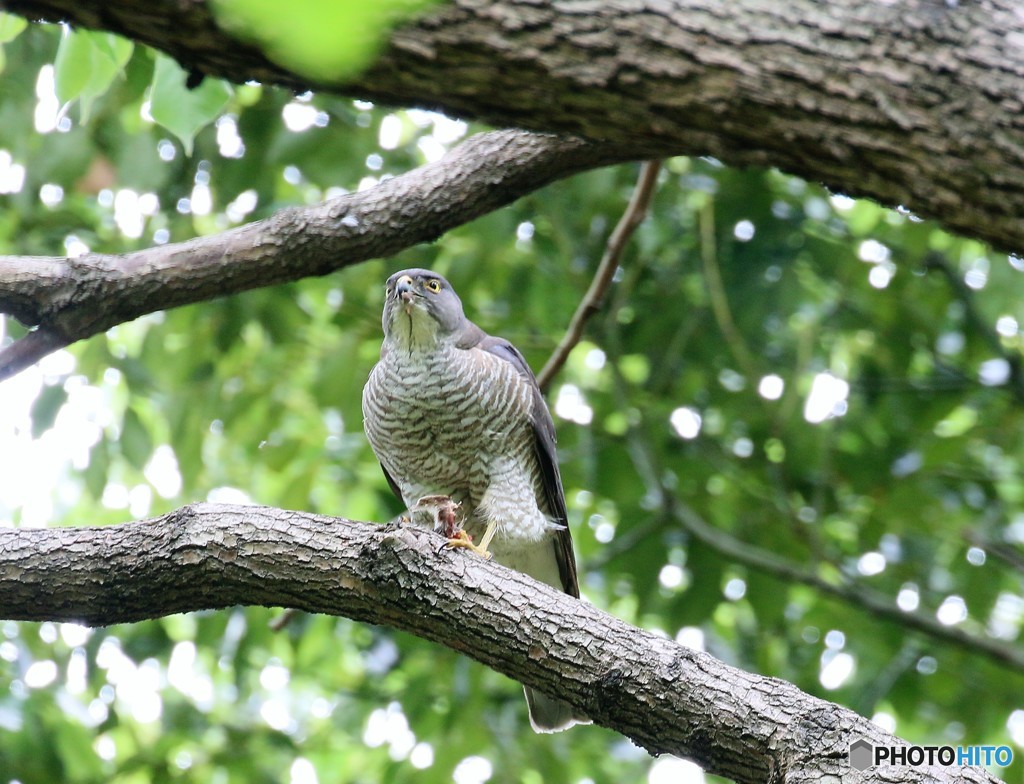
(544, 446)
(392, 483)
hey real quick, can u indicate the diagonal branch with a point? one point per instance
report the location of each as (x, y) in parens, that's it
(977, 322)
(1009, 554)
(856, 594)
(667, 698)
(717, 293)
(634, 215)
(72, 299)
(868, 599)
(29, 349)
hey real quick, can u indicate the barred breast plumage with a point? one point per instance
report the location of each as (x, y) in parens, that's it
(458, 423)
(452, 411)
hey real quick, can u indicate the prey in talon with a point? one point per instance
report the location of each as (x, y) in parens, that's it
(444, 512)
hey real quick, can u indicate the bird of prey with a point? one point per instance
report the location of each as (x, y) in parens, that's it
(452, 412)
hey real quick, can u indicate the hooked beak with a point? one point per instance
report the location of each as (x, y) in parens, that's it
(405, 293)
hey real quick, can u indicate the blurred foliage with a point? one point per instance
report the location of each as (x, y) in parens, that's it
(824, 385)
(323, 40)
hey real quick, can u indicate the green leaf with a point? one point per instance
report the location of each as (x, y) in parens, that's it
(72, 66)
(957, 422)
(325, 40)
(110, 56)
(95, 474)
(181, 111)
(74, 744)
(115, 48)
(10, 27)
(136, 443)
(86, 65)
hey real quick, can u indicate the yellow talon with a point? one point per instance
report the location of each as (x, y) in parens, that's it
(465, 541)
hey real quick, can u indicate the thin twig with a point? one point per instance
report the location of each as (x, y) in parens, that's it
(592, 301)
(278, 622)
(716, 291)
(1006, 553)
(854, 593)
(845, 589)
(974, 318)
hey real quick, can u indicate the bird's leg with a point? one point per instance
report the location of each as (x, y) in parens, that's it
(446, 520)
(460, 538)
(466, 541)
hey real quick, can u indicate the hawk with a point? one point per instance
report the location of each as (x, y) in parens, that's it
(451, 411)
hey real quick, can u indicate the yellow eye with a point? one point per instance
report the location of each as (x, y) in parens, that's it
(434, 285)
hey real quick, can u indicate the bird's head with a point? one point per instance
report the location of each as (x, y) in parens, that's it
(420, 309)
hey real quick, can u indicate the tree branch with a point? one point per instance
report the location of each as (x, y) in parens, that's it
(855, 594)
(72, 299)
(667, 698)
(717, 293)
(975, 320)
(26, 351)
(593, 300)
(738, 551)
(1012, 556)
(914, 103)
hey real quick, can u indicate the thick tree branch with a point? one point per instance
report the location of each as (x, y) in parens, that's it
(667, 698)
(915, 103)
(72, 299)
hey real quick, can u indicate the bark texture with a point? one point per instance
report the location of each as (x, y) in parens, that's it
(667, 698)
(914, 103)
